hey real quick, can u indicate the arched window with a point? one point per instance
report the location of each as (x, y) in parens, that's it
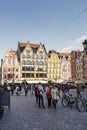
(28, 56)
(44, 57)
(45, 62)
(28, 62)
(41, 63)
(32, 56)
(36, 56)
(23, 56)
(23, 62)
(32, 63)
(41, 57)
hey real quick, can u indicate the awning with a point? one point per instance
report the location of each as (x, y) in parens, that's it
(80, 81)
(36, 81)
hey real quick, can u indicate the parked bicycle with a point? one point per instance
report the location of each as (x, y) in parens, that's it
(77, 102)
(69, 101)
(81, 105)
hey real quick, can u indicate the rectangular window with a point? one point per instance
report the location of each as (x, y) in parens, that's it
(23, 75)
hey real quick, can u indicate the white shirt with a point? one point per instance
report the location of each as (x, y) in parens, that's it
(54, 93)
(40, 88)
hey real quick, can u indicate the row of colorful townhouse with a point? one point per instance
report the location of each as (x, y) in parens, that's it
(32, 63)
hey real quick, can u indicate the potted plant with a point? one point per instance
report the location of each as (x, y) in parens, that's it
(1, 107)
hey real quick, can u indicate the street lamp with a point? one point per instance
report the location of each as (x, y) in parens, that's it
(85, 45)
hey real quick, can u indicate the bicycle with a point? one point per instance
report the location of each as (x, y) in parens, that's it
(77, 102)
(69, 101)
(81, 104)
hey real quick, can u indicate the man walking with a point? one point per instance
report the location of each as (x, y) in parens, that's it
(41, 92)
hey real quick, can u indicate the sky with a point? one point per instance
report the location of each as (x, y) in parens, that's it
(59, 24)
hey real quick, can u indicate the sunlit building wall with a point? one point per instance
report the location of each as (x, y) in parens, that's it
(65, 66)
(10, 68)
(54, 66)
(33, 61)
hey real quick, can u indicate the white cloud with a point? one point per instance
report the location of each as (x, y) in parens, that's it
(81, 39)
(67, 49)
(76, 44)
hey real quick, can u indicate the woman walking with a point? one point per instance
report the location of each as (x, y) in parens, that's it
(55, 95)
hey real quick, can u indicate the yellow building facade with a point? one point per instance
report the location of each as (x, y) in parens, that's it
(54, 67)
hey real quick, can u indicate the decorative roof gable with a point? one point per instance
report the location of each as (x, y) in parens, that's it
(33, 46)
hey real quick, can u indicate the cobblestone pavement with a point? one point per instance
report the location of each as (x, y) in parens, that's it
(25, 115)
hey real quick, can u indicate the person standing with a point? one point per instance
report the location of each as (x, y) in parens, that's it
(55, 95)
(49, 96)
(31, 89)
(12, 89)
(36, 92)
(26, 89)
(78, 89)
(41, 98)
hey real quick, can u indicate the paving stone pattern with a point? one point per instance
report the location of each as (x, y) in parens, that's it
(25, 115)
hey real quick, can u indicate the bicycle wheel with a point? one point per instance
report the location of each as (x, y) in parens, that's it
(81, 107)
(64, 102)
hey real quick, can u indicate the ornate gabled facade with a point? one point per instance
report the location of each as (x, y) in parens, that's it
(10, 68)
(65, 66)
(33, 61)
(73, 65)
(54, 66)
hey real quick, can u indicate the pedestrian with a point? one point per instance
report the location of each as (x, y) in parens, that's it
(12, 89)
(49, 96)
(31, 89)
(78, 90)
(26, 89)
(17, 91)
(8, 87)
(55, 95)
(36, 92)
(41, 98)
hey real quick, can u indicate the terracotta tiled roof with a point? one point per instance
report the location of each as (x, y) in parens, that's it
(64, 53)
(22, 44)
(33, 46)
(49, 54)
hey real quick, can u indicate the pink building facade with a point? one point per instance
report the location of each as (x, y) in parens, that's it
(10, 68)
